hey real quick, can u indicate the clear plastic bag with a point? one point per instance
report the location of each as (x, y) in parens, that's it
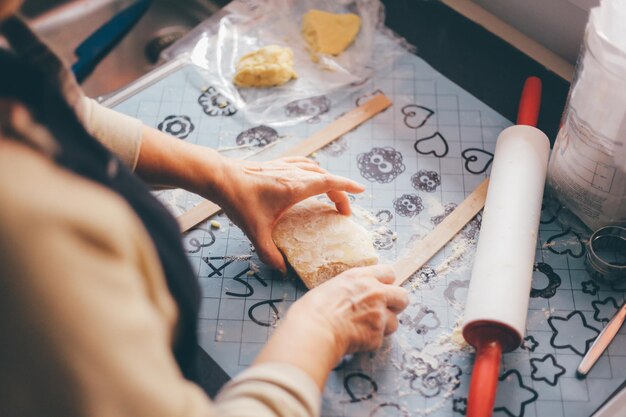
(244, 26)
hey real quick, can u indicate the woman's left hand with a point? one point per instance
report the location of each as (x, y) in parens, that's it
(255, 194)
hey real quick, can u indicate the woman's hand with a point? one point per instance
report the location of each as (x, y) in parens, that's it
(359, 306)
(255, 194)
(349, 313)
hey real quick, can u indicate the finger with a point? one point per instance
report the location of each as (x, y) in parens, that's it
(342, 203)
(335, 182)
(329, 181)
(391, 323)
(269, 253)
(310, 166)
(297, 159)
(323, 183)
(383, 273)
(397, 298)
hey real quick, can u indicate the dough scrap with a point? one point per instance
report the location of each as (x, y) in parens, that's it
(329, 33)
(266, 67)
(320, 243)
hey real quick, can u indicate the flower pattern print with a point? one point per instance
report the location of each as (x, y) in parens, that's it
(215, 104)
(312, 108)
(257, 136)
(430, 379)
(408, 205)
(384, 238)
(335, 148)
(470, 231)
(178, 126)
(381, 165)
(426, 180)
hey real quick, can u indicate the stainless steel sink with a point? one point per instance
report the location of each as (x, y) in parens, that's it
(68, 23)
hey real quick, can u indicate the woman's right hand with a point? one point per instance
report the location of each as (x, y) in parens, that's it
(349, 313)
(360, 306)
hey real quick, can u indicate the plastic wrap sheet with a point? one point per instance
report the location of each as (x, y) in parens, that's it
(244, 26)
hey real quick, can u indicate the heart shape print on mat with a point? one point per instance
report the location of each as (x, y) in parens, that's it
(477, 161)
(416, 116)
(568, 242)
(434, 144)
(367, 97)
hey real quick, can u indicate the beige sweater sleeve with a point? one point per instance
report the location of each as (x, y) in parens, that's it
(120, 133)
(269, 390)
(90, 319)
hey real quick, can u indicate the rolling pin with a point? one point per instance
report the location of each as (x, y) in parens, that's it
(499, 290)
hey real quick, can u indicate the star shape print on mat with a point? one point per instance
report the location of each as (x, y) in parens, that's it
(513, 396)
(459, 405)
(572, 332)
(546, 369)
(590, 287)
(604, 310)
(529, 343)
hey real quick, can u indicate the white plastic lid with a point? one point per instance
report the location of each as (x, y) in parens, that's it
(610, 21)
(606, 36)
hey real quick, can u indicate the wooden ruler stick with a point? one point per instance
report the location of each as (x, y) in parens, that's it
(197, 215)
(441, 234)
(340, 127)
(333, 131)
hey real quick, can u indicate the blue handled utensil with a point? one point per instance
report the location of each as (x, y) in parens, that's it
(93, 49)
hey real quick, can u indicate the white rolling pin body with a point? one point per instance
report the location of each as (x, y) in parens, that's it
(501, 280)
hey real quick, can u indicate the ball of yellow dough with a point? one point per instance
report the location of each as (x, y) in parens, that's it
(266, 67)
(329, 33)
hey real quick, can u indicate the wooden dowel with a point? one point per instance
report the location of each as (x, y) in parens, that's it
(441, 234)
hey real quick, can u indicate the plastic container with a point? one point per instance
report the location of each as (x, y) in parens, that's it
(587, 170)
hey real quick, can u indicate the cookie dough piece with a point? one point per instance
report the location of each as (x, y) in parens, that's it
(329, 33)
(320, 243)
(266, 67)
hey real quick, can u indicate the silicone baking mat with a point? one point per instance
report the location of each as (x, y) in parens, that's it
(418, 159)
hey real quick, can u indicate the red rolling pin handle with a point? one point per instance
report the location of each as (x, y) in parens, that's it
(484, 383)
(530, 102)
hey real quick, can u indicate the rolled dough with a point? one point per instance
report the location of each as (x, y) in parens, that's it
(320, 243)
